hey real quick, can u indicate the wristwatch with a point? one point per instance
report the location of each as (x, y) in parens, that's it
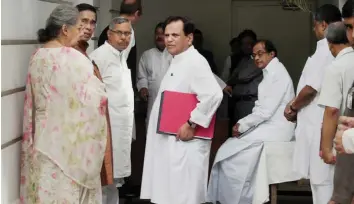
(193, 125)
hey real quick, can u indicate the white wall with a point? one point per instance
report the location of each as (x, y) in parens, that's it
(20, 20)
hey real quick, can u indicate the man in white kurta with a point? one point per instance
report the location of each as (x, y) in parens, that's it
(111, 59)
(233, 173)
(176, 171)
(307, 161)
(151, 71)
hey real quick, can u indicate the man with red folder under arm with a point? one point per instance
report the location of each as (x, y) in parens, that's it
(176, 170)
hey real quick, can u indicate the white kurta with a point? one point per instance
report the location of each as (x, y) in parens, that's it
(150, 74)
(232, 177)
(307, 161)
(175, 172)
(112, 65)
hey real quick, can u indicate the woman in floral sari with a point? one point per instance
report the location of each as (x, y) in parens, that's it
(65, 129)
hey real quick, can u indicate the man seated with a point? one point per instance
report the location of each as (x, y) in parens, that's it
(233, 173)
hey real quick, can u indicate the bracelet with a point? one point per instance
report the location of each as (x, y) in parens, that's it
(292, 109)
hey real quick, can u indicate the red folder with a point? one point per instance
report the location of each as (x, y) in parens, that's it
(175, 110)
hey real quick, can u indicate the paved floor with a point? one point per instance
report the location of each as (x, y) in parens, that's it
(288, 193)
(281, 200)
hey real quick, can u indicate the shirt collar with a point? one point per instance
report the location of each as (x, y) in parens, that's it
(183, 54)
(322, 43)
(271, 65)
(114, 50)
(344, 51)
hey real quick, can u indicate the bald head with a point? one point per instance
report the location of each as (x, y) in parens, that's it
(337, 33)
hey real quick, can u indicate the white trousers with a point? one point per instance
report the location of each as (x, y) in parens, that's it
(321, 194)
(110, 194)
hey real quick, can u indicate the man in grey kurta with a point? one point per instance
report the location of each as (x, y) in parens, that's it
(244, 80)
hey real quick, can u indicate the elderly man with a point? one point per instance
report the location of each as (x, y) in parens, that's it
(233, 173)
(111, 60)
(88, 19)
(151, 71)
(339, 78)
(176, 171)
(307, 161)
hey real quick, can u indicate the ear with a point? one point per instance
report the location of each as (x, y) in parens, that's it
(272, 54)
(65, 29)
(324, 25)
(190, 39)
(109, 32)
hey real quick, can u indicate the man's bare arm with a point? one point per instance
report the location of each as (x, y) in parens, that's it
(329, 127)
(306, 95)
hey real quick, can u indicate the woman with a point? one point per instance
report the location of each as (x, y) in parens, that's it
(65, 129)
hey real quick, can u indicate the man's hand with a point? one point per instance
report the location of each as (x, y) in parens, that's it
(347, 122)
(289, 114)
(235, 131)
(328, 156)
(185, 133)
(338, 142)
(144, 93)
(228, 90)
(344, 124)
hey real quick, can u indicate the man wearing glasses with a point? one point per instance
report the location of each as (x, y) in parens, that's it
(111, 59)
(233, 174)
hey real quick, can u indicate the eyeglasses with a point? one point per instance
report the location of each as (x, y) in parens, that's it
(120, 33)
(259, 54)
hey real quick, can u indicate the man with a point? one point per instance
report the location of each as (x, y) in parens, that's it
(111, 60)
(176, 169)
(244, 80)
(235, 46)
(151, 71)
(131, 10)
(339, 78)
(348, 18)
(88, 18)
(233, 173)
(198, 41)
(307, 161)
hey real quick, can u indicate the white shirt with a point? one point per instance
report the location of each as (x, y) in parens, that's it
(149, 67)
(339, 78)
(274, 92)
(227, 67)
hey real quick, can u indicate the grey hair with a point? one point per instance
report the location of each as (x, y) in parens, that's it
(117, 20)
(61, 15)
(336, 33)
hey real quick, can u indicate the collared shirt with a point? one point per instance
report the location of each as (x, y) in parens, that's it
(339, 78)
(274, 93)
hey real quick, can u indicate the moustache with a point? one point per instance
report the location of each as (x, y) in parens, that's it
(159, 39)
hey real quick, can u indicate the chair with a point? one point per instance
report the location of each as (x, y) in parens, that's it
(275, 167)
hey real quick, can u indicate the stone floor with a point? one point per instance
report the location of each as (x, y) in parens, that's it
(281, 200)
(288, 193)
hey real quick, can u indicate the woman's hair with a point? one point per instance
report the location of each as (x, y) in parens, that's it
(61, 15)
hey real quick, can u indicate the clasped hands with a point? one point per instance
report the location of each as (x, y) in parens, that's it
(289, 114)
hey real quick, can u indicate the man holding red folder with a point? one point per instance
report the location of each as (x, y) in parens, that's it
(176, 170)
